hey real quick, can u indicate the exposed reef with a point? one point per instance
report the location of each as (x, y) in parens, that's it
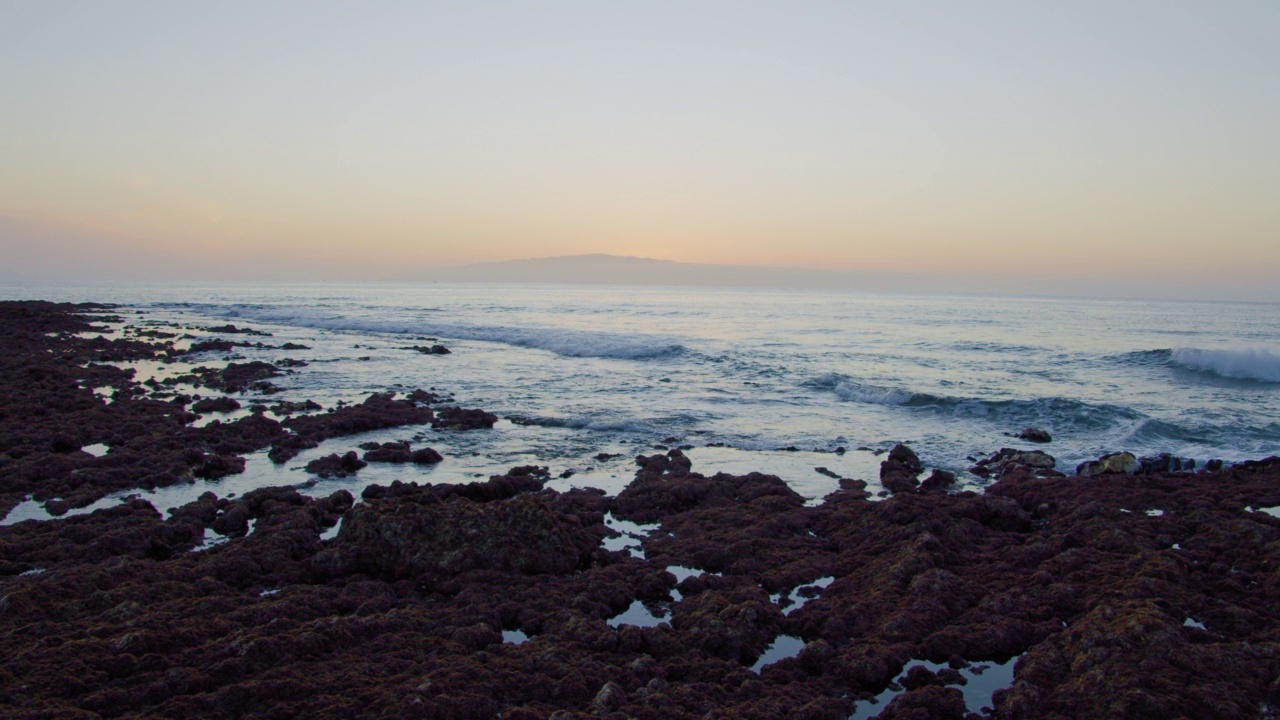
(1154, 594)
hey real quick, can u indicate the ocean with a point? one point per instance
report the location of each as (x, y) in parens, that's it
(584, 377)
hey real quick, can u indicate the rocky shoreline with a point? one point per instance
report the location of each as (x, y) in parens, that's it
(1146, 595)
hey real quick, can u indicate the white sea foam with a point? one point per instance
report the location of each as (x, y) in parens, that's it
(852, 392)
(1242, 363)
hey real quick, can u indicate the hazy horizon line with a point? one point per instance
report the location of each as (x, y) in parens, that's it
(710, 276)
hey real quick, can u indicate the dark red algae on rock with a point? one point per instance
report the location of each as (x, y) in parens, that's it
(418, 535)
(335, 465)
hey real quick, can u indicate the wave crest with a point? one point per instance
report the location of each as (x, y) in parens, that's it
(1057, 412)
(872, 395)
(1242, 364)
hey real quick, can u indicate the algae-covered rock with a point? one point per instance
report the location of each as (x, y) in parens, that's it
(1007, 459)
(400, 538)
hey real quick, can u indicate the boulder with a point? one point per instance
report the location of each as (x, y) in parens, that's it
(610, 698)
(289, 407)
(463, 418)
(1037, 463)
(1035, 435)
(380, 410)
(212, 467)
(899, 471)
(938, 481)
(432, 349)
(388, 452)
(1164, 463)
(905, 457)
(335, 466)
(1115, 463)
(241, 377)
(218, 404)
(215, 345)
(425, 456)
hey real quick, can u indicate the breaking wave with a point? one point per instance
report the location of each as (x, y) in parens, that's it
(1057, 412)
(1259, 364)
(1242, 364)
(850, 391)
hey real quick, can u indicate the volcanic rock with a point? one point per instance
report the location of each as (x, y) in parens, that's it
(1164, 463)
(289, 407)
(938, 481)
(457, 418)
(336, 466)
(522, 534)
(219, 404)
(388, 452)
(931, 702)
(1035, 435)
(425, 456)
(1123, 462)
(217, 344)
(1035, 462)
(900, 470)
(376, 412)
(400, 453)
(241, 377)
(233, 330)
(665, 485)
(431, 350)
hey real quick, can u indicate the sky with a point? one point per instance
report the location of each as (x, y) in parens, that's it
(1084, 142)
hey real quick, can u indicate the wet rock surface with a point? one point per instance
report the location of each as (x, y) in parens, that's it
(335, 465)
(463, 419)
(1122, 462)
(219, 404)
(436, 349)
(394, 452)
(1151, 595)
(1007, 460)
(899, 473)
(1036, 435)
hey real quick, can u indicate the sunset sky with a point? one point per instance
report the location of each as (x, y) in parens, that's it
(1082, 140)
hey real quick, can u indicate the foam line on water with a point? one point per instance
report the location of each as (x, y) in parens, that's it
(565, 342)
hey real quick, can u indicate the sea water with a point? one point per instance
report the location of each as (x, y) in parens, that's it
(773, 380)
